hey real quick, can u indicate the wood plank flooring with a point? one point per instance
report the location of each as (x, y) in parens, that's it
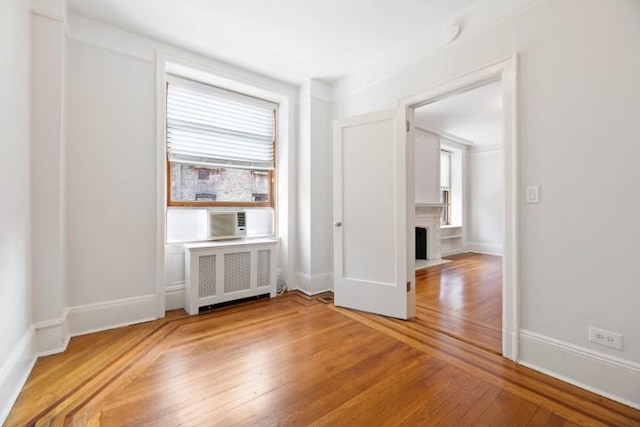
(294, 360)
(463, 298)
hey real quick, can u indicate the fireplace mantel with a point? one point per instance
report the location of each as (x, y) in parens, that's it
(429, 208)
(427, 215)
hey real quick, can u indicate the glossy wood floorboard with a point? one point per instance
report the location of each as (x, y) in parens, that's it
(294, 360)
(463, 298)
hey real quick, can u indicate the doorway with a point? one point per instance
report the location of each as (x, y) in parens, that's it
(492, 240)
(461, 136)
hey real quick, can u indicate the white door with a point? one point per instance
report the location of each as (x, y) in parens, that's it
(372, 271)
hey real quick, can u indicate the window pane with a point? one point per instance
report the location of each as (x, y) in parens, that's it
(445, 169)
(196, 183)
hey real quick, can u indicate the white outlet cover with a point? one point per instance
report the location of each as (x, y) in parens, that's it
(606, 338)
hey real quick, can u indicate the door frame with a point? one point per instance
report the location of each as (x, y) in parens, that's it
(506, 71)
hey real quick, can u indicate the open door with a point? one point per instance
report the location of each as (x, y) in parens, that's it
(371, 224)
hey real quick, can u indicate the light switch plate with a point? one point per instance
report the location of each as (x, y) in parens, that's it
(533, 194)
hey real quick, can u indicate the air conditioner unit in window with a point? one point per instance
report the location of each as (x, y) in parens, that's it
(226, 225)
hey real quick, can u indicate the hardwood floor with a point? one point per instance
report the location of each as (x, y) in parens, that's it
(463, 298)
(295, 360)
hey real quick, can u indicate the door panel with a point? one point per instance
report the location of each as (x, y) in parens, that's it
(370, 214)
(365, 217)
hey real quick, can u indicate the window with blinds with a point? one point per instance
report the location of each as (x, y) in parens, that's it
(220, 146)
(445, 186)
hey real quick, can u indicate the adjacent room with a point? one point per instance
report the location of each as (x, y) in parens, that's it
(328, 212)
(460, 214)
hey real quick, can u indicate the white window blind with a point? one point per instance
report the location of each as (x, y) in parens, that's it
(216, 127)
(445, 169)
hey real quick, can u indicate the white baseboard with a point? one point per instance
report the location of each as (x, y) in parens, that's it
(175, 296)
(14, 372)
(455, 252)
(509, 347)
(52, 336)
(89, 318)
(601, 373)
(484, 248)
(316, 284)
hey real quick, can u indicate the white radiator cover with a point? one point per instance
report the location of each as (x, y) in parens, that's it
(217, 272)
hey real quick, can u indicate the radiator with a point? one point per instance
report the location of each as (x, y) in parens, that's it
(217, 272)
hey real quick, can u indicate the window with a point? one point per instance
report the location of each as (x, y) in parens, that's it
(220, 146)
(445, 186)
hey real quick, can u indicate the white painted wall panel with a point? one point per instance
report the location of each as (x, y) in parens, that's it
(111, 172)
(486, 199)
(427, 167)
(15, 215)
(47, 163)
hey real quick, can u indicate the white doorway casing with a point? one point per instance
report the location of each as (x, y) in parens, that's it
(506, 71)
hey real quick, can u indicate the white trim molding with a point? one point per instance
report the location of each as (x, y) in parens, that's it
(314, 284)
(478, 150)
(505, 70)
(55, 10)
(175, 296)
(453, 252)
(444, 135)
(484, 248)
(52, 336)
(14, 372)
(601, 373)
(86, 319)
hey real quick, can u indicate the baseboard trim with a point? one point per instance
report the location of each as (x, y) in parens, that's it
(600, 373)
(175, 296)
(484, 248)
(313, 285)
(15, 371)
(52, 336)
(89, 318)
(448, 253)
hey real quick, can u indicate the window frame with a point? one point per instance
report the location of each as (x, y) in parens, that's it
(271, 203)
(228, 204)
(445, 192)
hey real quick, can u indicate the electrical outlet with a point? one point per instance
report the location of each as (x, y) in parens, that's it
(608, 338)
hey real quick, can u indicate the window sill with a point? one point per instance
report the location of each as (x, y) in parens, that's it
(229, 243)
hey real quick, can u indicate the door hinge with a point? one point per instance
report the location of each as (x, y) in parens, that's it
(408, 286)
(408, 126)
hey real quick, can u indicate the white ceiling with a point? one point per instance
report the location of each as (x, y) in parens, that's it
(475, 115)
(292, 40)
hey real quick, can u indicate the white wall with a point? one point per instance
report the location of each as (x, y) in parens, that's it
(485, 213)
(426, 167)
(17, 348)
(579, 129)
(48, 135)
(111, 170)
(314, 190)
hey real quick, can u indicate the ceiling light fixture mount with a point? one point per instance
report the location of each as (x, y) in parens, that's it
(451, 32)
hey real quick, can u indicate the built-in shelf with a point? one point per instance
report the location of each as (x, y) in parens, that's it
(455, 236)
(451, 239)
(430, 205)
